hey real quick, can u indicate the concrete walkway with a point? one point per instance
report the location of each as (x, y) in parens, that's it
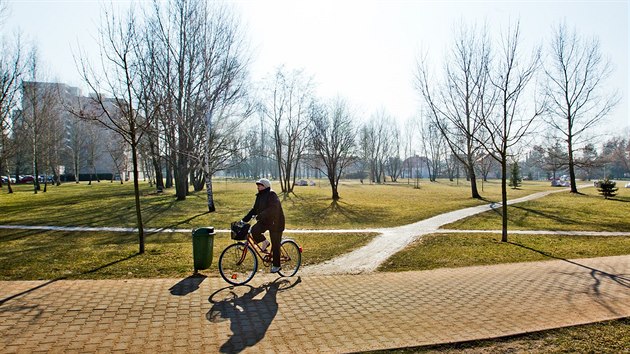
(308, 314)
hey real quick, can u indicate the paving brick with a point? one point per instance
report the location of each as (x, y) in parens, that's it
(326, 314)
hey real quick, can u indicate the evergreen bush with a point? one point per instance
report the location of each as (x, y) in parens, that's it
(515, 178)
(607, 188)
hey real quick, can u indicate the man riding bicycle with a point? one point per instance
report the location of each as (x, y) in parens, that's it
(269, 216)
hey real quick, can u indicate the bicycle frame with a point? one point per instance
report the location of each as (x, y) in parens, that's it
(259, 252)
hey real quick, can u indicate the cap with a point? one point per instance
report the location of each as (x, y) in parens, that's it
(264, 182)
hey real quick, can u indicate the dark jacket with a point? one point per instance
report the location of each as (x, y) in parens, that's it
(268, 210)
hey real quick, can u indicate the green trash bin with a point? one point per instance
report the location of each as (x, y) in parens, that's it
(203, 239)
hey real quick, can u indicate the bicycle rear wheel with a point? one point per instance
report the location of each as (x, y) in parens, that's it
(238, 264)
(290, 258)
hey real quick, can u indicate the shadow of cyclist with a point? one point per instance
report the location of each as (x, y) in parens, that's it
(250, 315)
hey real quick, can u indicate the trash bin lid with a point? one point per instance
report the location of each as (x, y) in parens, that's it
(204, 231)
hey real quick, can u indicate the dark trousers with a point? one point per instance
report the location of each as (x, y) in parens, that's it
(276, 236)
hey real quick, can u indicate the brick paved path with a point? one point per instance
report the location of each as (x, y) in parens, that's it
(311, 313)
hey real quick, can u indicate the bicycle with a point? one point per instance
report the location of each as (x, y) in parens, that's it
(238, 262)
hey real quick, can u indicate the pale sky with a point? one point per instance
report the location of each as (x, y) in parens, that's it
(363, 50)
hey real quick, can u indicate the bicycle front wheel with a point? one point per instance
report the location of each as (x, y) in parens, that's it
(238, 264)
(290, 258)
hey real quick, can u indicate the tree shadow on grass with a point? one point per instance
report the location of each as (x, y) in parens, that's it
(17, 234)
(337, 207)
(182, 222)
(93, 270)
(338, 211)
(569, 219)
(550, 216)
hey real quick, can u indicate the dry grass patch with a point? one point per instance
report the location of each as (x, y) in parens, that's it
(34, 255)
(603, 337)
(463, 250)
(361, 206)
(559, 211)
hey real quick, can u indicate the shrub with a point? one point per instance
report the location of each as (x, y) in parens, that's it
(515, 177)
(607, 188)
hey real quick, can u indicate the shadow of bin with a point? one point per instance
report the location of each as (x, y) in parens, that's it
(203, 239)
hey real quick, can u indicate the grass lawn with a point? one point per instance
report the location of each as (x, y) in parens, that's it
(604, 337)
(559, 211)
(361, 206)
(33, 255)
(462, 250)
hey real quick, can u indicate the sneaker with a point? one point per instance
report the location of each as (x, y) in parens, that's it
(275, 269)
(264, 245)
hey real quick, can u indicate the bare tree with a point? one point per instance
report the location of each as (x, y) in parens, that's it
(76, 141)
(433, 147)
(286, 105)
(151, 101)
(40, 101)
(198, 58)
(376, 141)
(333, 140)
(394, 164)
(456, 104)
(577, 74)
(55, 138)
(93, 152)
(506, 129)
(117, 109)
(226, 104)
(116, 148)
(616, 157)
(589, 161)
(408, 136)
(554, 157)
(486, 164)
(11, 70)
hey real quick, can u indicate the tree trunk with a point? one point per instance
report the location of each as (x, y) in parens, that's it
(181, 178)
(157, 166)
(504, 211)
(197, 180)
(211, 207)
(35, 171)
(572, 168)
(181, 183)
(76, 168)
(473, 182)
(9, 188)
(169, 175)
(136, 188)
(333, 185)
(335, 190)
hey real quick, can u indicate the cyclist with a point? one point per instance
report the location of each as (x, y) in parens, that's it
(269, 216)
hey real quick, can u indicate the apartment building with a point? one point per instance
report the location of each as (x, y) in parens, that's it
(48, 126)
